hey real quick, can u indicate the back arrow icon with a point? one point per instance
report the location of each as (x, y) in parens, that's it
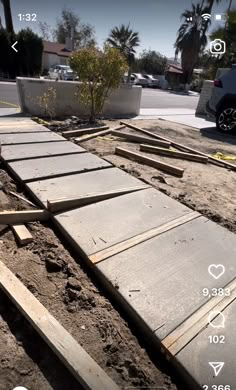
(13, 46)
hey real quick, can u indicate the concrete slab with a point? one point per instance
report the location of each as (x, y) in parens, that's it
(39, 168)
(9, 111)
(82, 184)
(22, 128)
(184, 116)
(11, 120)
(169, 272)
(195, 357)
(100, 225)
(11, 139)
(44, 149)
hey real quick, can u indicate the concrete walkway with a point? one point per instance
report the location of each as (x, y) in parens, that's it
(151, 252)
(184, 116)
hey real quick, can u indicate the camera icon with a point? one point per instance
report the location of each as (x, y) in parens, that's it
(217, 46)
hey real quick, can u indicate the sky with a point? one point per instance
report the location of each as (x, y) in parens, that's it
(157, 21)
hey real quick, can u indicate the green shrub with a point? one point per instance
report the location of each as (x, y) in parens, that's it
(99, 72)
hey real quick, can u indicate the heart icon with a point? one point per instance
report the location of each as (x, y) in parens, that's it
(216, 270)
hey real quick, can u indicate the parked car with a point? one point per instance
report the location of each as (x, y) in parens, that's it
(138, 79)
(222, 103)
(61, 72)
(152, 82)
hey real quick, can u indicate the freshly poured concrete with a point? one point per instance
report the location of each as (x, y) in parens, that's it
(195, 357)
(98, 226)
(83, 184)
(24, 128)
(170, 272)
(11, 139)
(44, 149)
(40, 168)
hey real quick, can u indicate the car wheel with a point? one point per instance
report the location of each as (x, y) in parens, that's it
(226, 118)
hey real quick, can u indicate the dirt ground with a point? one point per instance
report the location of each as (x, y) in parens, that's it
(68, 290)
(206, 188)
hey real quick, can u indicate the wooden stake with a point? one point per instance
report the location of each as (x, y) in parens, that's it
(100, 133)
(173, 153)
(22, 198)
(183, 147)
(140, 139)
(150, 161)
(22, 234)
(90, 130)
(86, 371)
(15, 217)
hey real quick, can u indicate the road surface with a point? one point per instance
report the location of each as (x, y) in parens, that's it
(8, 95)
(151, 98)
(158, 98)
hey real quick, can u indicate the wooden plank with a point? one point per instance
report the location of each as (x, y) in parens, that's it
(126, 244)
(89, 130)
(182, 335)
(150, 161)
(22, 234)
(99, 133)
(140, 139)
(22, 198)
(15, 217)
(182, 147)
(86, 371)
(173, 153)
(64, 204)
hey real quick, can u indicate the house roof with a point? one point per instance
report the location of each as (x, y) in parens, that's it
(174, 69)
(56, 48)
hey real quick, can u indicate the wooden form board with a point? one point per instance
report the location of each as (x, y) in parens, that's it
(150, 161)
(140, 139)
(64, 204)
(86, 371)
(90, 130)
(182, 147)
(99, 133)
(22, 234)
(190, 328)
(124, 245)
(15, 217)
(173, 153)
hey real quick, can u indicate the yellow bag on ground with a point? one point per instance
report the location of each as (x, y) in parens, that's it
(221, 156)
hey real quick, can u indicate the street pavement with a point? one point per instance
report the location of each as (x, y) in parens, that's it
(151, 98)
(8, 94)
(158, 98)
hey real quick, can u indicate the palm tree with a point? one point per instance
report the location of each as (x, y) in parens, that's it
(191, 39)
(8, 17)
(124, 39)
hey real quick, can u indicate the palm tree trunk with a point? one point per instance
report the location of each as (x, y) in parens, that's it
(129, 74)
(230, 4)
(8, 16)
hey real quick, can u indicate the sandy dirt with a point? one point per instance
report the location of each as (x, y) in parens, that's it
(60, 281)
(206, 188)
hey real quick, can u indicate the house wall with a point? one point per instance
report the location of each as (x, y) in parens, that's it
(123, 102)
(50, 59)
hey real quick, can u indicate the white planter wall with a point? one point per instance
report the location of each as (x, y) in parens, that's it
(123, 102)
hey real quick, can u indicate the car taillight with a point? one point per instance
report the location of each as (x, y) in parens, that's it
(218, 83)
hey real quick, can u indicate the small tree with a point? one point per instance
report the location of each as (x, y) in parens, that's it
(150, 61)
(99, 71)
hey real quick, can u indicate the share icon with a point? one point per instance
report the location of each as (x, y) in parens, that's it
(217, 367)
